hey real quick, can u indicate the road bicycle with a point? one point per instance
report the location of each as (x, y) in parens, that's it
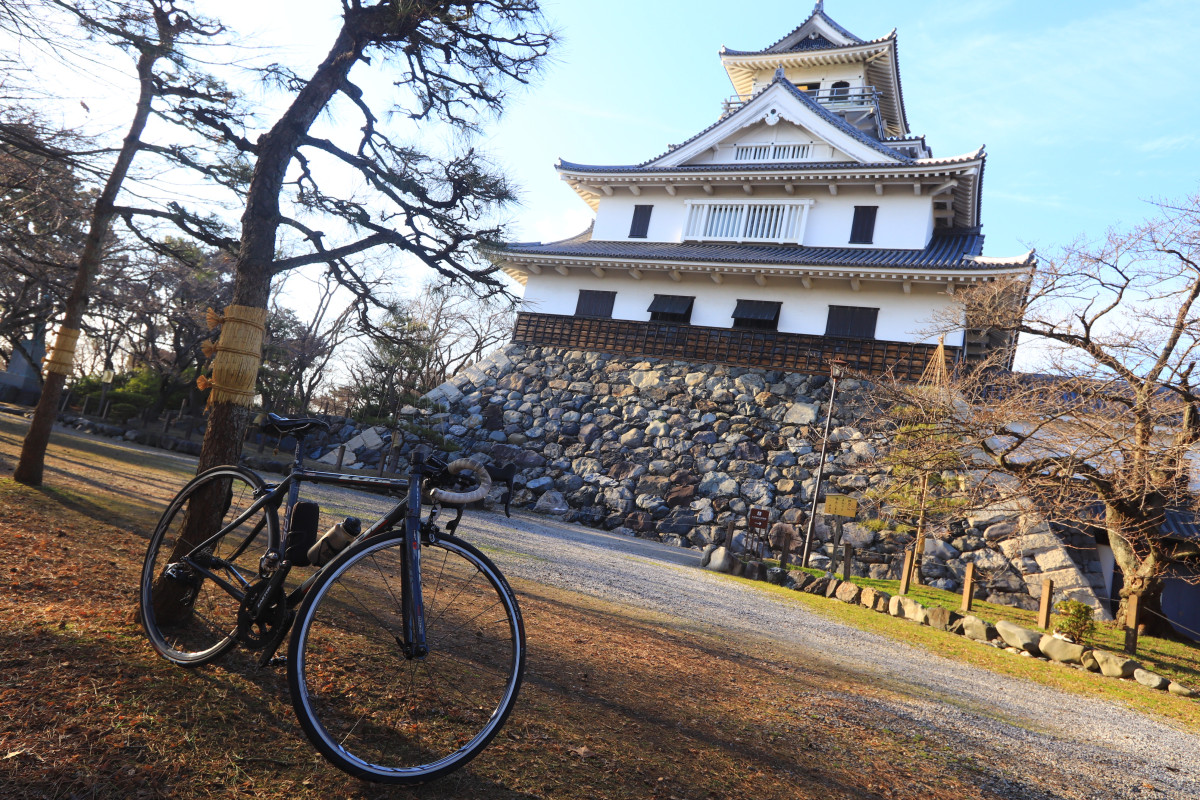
(406, 648)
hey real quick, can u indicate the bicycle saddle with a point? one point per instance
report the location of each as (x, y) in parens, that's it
(283, 426)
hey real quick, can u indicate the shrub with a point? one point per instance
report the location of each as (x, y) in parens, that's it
(875, 525)
(122, 412)
(1074, 619)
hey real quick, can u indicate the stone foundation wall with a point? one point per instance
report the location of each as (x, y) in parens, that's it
(674, 450)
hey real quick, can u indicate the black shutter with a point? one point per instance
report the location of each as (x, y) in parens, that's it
(595, 304)
(758, 314)
(641, 222)
(671, 308)
(852, 322)
(862, 231)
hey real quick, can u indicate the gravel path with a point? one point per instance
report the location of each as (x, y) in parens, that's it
(1069, 746)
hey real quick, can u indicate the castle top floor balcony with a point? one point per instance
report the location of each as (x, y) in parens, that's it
(859, 105)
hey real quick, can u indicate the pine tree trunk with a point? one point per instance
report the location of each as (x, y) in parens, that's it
(31, 467)
(227, 421)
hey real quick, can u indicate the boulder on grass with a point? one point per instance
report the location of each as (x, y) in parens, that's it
(798, 580)
(706, 554)
(777, 576)
(818, 586)
(848, 592)
(977, 629)
(894, 607)
(831, 589)
(1181, 690)
(1149, 679)
(1061, 651)
(882, 599)
(866, 597)
(720, 560)
(911, 609)
(756, 571)
(1115, 666)
(941, 618)
(1089, 661)
(1020, 638)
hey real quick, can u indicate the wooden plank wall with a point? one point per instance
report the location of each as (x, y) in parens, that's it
(747, 348)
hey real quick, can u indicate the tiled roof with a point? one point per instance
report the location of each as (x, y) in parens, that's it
(832, 118)
(772, 166)
(817, 11)
(946, 250)
(838, 121)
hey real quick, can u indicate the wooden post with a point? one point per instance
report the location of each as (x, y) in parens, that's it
(83, 411)
(837, 543)
(906, 573)
(394, 453)
(66, 401)
(104, 411)
(729, 526)
(166, 423)
(1047, 603)
(847, 559)
(919, 548)
(1131, 624)
(968, 587)
(341, 455)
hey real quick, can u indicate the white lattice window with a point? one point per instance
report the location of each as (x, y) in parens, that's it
(781, 221)
(771, 152)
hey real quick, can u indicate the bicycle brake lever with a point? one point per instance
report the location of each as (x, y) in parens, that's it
(505, 474)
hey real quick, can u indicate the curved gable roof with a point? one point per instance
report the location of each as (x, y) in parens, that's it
(737, 119)
(800, 34)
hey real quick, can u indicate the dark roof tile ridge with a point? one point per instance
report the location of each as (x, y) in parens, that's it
(818, 10)
(840, 123)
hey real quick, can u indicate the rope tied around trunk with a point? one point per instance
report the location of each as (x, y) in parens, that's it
(62, 355)
(236, 356)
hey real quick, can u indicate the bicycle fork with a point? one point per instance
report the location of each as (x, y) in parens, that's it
(412, 605)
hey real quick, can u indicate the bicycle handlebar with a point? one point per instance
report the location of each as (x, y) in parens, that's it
(462, 498)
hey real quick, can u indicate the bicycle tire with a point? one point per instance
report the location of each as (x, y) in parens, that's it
(381, 717)
(190, 619)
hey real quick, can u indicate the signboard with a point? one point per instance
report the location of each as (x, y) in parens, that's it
(107, 376)
(758, 518)
(839, 505)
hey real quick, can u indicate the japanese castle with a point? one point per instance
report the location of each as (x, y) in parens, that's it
(807, 223)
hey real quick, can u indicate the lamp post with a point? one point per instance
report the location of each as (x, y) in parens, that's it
(837, 368)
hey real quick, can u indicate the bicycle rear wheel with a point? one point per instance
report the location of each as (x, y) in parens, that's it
(189, 617)
(382, 717)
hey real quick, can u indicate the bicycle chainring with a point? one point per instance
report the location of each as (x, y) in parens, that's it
(255, 635)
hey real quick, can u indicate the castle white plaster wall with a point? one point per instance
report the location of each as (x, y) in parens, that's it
(827, 75)
(901, 316)
(904, 220)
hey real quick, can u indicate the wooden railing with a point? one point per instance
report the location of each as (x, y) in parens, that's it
(793, 352)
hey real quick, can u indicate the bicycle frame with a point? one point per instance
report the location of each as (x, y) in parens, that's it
(275, 568)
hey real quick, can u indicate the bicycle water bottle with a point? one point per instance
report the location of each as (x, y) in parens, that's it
(335, 540)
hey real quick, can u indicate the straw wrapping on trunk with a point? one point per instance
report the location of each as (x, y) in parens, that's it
(62, 355)
(238, 355)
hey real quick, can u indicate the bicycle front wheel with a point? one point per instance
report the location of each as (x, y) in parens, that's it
(200, 561)
(383, 717)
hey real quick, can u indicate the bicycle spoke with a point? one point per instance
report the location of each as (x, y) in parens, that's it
(377, 714)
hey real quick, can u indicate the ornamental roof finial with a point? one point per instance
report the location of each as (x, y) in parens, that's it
(819, 8)
(779, 73)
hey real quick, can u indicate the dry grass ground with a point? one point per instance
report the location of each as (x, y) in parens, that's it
(617, 703)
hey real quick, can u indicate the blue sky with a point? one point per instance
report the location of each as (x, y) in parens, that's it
(1085, 107)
